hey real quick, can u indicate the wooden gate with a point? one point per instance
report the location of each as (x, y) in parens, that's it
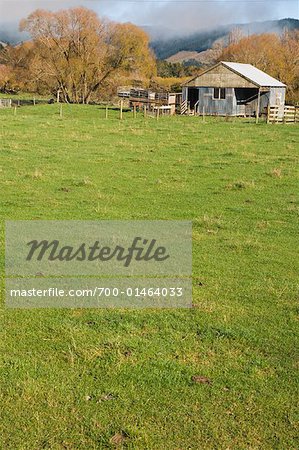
(280, 114)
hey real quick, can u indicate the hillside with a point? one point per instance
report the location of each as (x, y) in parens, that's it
(206, 57)
(191, 47)
(9, 33)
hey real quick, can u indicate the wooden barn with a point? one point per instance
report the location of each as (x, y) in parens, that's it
(232, 89)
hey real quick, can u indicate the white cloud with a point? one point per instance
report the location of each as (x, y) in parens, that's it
(182, 16)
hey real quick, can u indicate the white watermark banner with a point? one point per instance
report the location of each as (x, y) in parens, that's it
(141, 253)
(157, 293)
(98, 248)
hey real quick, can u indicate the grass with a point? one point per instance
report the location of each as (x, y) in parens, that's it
(77, 379)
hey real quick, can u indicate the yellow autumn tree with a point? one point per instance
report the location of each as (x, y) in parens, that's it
(274, 54)
(76, 53)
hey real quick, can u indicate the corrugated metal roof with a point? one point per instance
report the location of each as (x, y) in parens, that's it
(253, 74)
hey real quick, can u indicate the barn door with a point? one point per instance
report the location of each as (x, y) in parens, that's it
(192, 97)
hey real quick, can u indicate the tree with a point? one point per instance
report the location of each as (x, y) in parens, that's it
(5, 79)
(274, 54)
(16, 61)
(76, 53)
(235, 35)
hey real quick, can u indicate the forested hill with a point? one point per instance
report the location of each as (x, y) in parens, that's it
(198, 42)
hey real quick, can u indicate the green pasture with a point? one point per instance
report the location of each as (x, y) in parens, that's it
(100, 379)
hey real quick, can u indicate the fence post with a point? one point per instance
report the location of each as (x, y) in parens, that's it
(284, 116)
(258, 107)
(106, 112)
(144, 110)
(158, 113)
(121, 110)
(134, 111)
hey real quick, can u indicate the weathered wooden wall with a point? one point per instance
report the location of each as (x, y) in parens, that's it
(251, 107)
(208, 105)
(220, 76)
(277, 96)
(203, 102)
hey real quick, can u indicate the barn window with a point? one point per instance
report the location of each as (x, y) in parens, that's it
(219, 94)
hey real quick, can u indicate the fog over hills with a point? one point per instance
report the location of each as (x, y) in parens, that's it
(201, 41)
(9, 33)
(180, 49)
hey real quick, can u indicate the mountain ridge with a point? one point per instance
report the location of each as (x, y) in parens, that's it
(204, 40)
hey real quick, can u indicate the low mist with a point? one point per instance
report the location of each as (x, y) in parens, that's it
(161, 19)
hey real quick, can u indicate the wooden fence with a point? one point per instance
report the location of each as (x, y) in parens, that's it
(283, 114)
(5, 103)
(184, 107)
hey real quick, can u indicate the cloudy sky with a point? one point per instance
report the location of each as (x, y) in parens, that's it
(179, 15)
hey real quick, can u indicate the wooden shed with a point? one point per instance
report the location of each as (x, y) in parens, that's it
(166, 102)
(232, 89)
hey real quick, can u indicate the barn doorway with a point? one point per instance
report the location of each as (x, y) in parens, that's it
(245, 95)
(193, 96)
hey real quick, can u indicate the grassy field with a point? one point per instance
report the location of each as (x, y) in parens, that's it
(75, 379)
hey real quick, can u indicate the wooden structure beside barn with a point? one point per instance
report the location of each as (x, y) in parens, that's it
(5, 103)
(232, 89)
(168, 103)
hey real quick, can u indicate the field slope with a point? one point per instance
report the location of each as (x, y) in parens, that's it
(118, 379)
